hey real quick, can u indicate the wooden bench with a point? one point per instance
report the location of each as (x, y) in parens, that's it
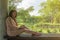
(31, 38)
(17, 38)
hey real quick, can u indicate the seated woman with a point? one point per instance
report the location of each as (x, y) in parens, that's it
(12, 27)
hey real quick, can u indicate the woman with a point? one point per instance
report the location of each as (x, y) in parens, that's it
(12, 26)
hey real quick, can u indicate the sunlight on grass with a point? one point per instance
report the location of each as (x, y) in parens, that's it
(43, 29)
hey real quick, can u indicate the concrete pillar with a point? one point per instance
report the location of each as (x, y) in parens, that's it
(3, 14)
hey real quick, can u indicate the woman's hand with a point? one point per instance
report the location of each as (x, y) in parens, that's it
(23, 27)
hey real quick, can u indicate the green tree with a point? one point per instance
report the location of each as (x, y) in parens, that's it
(51, 8)
(24, 15)
(13, 3)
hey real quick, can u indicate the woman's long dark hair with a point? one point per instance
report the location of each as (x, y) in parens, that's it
(10, 15)
(11, 12)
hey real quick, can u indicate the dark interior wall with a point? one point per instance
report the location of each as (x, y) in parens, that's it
(3, 14)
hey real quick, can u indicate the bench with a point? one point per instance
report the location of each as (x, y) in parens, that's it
(42, 37)
(17, 38)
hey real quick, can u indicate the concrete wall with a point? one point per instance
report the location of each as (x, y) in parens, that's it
(3, 14)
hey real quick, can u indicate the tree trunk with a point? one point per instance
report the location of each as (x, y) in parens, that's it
(3, 14)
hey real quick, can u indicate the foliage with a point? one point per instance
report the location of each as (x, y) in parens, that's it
(51, 9)
(13, 3)
(45, 23)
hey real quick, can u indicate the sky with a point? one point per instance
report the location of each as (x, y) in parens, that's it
(27, 3)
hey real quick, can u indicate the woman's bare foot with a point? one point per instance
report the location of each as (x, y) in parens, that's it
(36, 34)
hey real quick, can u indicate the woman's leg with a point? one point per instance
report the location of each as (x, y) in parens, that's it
(32, 32)
(28, 31)
(23, 28)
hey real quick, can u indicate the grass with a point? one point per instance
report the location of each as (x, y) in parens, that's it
(51, 28)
